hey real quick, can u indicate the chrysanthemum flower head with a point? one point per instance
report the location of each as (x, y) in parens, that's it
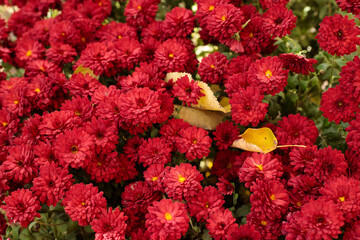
(297, 63)
(353, 137)
(179, 22)
(225, 134)
(140, 13)
(84, 203)
(221, 223)
(154, 151)
(213, 68)
(167, 219)
(279, 21)
(187, 90)
(338, 35)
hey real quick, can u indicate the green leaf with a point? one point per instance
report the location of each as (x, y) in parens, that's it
(340, 62)
(323, 66)
(25, 235)
(206, 235)
(15, 232)
(243, 211)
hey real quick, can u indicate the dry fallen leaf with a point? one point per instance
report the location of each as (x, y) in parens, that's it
(84, 71)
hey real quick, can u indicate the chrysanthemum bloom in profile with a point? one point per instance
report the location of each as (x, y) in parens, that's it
(182, 181)
(221, 223)
(297, 63)
(187, 90)
(245, 231)
(225, 134)
(301, 157)
(194, 142)
(350, 78)
(273, 3)
(269, 198)
(84, 203)
(137, 196)
(224, 21)
(167, 220)
(353, 231)
(21, 206)
(345, 193)
(351, 6)
(260, 166)
(296, 129)
(111, 224)
(212, 69)
(52, 183)
(225, 187)
(338, 35)
(247, 107)
(353, 161)
(205, 203)
(322, 219)
(338, 106)
(74, 148)
(19, 165)
(153, 151)
(179, 22)
(279, 21)
(328, 163)
(139, 13)
(267, 75)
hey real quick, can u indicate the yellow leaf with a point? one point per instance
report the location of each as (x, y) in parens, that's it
(84, 71)
(198, 117)
(207, 102)
(260, 140)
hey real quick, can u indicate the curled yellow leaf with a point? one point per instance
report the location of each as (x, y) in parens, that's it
(83, 70)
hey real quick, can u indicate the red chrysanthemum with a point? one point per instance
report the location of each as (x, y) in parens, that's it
(301, 157)
(182, 181)
(206, 202)
(52, 183)
(353, 137)
(110, 225)
(227, 163)
(260, 166)
(115, 30)
(194, 142)
(82, 107)
(297, 63)
(138, 196)
(179, 22)
(269, 229)
(61, 53)
(153, 176)
(131, 148)
(296, 129)
(28, 50)
(170, 130)
(338, 35)
(236, 83)
(345, 193)
(279, 21)
(328, 163)
(74, 148)
(84, 203)
(125, 170)
(352, 231)
(322, 219)
(21, 206)
(154, 151)
(351, 6)
(304, 185)
(82, 85)
(224, 21)
(247, 107)
(212, 69)
(104, 132)
(19, 164)
(273, 3)
(140, 105)
(140, 13)
(221, 223)
(245, 231)
(187, 91)
(353, 161)
(267, 75)
(269, 198)
(350, 78)
(338, 106)
(225, 134)
(253, 37)
(225, 187)
(167, 220)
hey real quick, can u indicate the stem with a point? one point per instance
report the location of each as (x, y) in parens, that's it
(332, 71)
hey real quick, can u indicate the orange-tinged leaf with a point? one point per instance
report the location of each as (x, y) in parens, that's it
(260, 140)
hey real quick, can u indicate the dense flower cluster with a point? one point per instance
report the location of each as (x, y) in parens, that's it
(93, 129)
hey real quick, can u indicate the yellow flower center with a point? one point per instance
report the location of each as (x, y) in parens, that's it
(171, 55)
(74, 149)
(4, 124)
(63, 34)
(16, 102)
(78, 113)
(211, 8)
(268, 73)
(119, 37)
(99, 164)
(168, 216)
(194, 141)
(251, 35)
(154, 179)
(223, 18)
(272, 197)
(264, 223)
(37, 90)
(207, 204)
(342, 199)
(139, 7)
(212, 66)
(298, 204)
(82, 203)
(260, 167)
(28, 53)
(181, 179)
